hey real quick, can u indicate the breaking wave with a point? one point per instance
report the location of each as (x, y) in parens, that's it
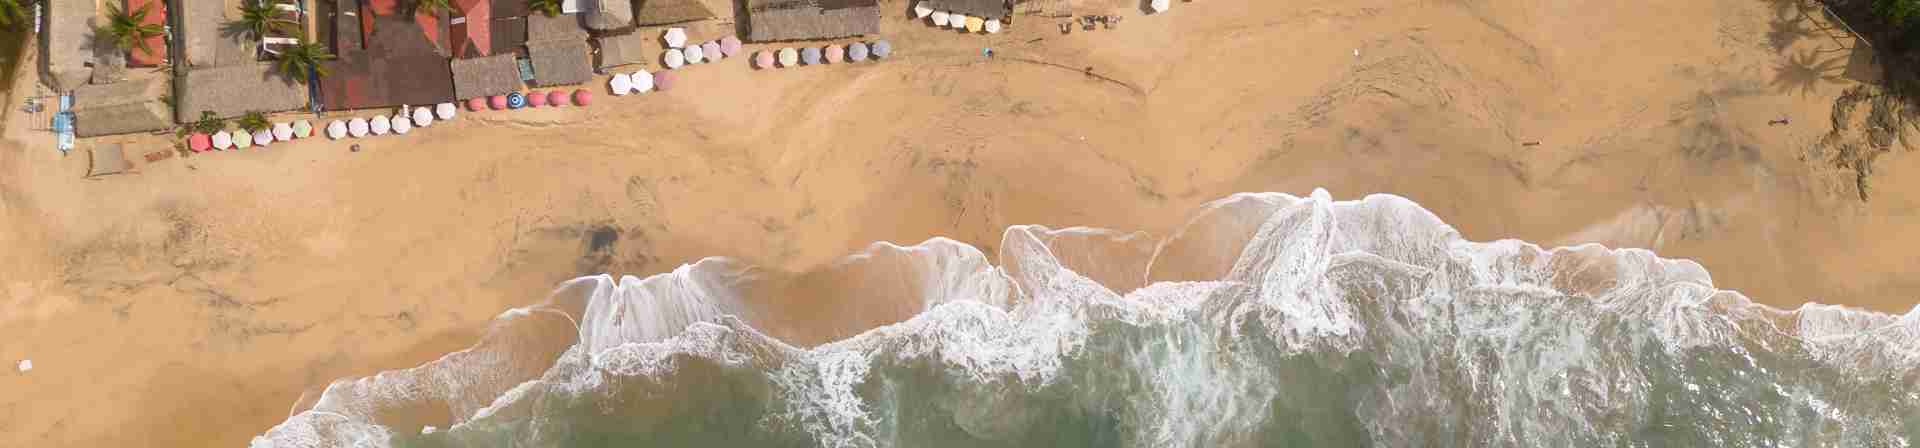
(1266, 320)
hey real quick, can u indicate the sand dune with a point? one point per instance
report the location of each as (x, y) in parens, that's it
(195, 302)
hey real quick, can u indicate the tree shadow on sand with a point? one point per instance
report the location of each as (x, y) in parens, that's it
(1793, 20)
(1806, 71)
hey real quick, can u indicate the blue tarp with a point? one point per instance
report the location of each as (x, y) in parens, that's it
(63, 123)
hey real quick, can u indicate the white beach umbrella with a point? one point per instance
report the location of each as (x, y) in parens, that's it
(263, 138)
(711, 50)
(357, 127)
(422, 117)
(445, 111)
(401, 125)
(642, 81)
(789, 57)
(993, 26)
(694, 55)
(242, 139)
(1160, 5)
(620, 83)
(921, 10)
(282, 131)
(337, 130)
(380, 124)
(939, 18)
(675, 37)
(222, 140)
(673, 58)
(957, 21)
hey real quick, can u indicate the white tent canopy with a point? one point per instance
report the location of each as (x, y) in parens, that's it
(422, 117)
(445, 111)
(380, 125)
(337, 130)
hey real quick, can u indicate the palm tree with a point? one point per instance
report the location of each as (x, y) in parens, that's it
(256, 19)
(431, 6)
(549, 7)
(129, 31)
(255, 122)
(13, 13)
(301, 58)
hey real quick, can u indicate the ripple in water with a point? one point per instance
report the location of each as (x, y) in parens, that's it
(1267, 320)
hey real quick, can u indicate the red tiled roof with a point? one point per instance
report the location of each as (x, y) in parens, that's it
(156, 15)
(472, 38)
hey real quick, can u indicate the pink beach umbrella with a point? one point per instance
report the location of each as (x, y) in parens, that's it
(833, 53)
(712, 50)
(537, 99)
(763, 59)
(729, 46)
(582, 97)
(557, 98)
(263, 138)
(497, 102)
(663, 81)
(199, 142)
(475, 104)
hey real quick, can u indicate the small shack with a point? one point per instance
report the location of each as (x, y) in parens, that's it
(560, 62)
(625, 49)
(66, 43)
(485, 76)
(669, 12)
(609, 15)
(234, 90)
(121, 108)
(108, 159)
(788, 20)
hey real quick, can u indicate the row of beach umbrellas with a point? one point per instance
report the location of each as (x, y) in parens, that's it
(400, 123)
(242, 138)
(957, 20)
(517, 100)
(640, 81)
(675, 57)
(831, 54)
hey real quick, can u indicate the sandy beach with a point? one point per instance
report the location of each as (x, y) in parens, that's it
(193, 303)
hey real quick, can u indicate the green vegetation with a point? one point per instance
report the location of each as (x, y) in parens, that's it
(255, 122)
(208, 124)
(15, 14)
(127, 31)
(295, 62)
(1896, 12)
(431, 6)
(257, 19)
(549, 7)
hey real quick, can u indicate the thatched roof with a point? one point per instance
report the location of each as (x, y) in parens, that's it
(541, 28)
(483, 76)
(561, 62)
(233, 90)
(609, 15)
(108, 159)
(200, 38)
(783, 20)
(121, 108)
(621, 50)
(985, 9)
(67, 43)
(668, 12)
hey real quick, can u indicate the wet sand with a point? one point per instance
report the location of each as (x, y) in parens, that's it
(193, 303)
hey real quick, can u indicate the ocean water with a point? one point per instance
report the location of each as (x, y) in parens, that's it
(1267, 320)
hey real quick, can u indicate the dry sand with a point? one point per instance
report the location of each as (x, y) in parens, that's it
(194, 302)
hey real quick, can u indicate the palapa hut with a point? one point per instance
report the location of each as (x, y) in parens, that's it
(399, 61)
(784, 20)
(560, 62)
(234, 90)
(202, 38)
(485, 76)
(541, 28)
(668, 12)
(66, 43)
(985, 9)
(121, 108)
(620, 50)
(609, 15)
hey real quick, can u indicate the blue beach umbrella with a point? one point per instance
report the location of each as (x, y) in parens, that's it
(856, 52)
(515, 100)
(881, 49)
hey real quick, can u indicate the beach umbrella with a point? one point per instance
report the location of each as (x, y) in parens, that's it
(302, 129)
(729, 46)
(675, 37)
(789, 57)
(401, 125)
(763, 59)
(357, 127)
(199, 142)
(975, 24)
(694, 55)
(337, 130)
(581, 97)
(516, 100)
(921, 10)
(993, 26)
(222, 140)
(881, 49)
(712, 51)
(957, 21)
(282, 131)
(810, 56)
(939, 18)
(833, 53)
(673, 58)
(642, 81)
(1159, 5)
(619, 84)
(422, 117)
(497, 102)
(445, 111)
(856, 52)
(242, 139)
(263, 138)
(380, 124)
(536, 99)
(476, 103)
(664, 81)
